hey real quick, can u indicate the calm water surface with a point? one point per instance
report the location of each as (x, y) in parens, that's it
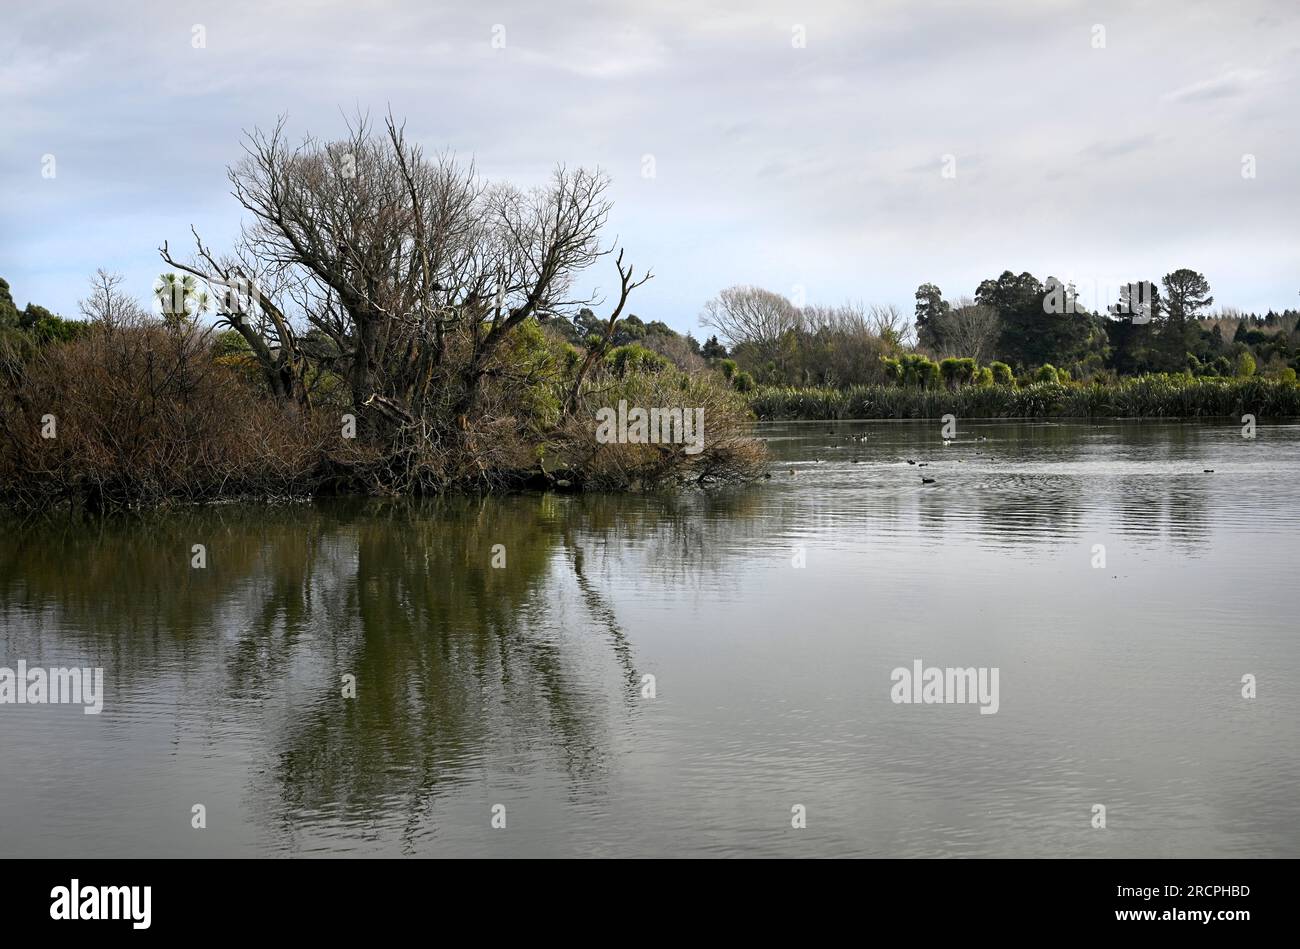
(522, 686)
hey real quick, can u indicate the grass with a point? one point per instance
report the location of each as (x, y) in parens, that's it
(1138, 397)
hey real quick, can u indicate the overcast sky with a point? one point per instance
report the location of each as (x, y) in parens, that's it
(814, 168)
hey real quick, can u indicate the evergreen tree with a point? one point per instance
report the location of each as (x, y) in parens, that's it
(930, 310)
(712, 349)
(8, 309)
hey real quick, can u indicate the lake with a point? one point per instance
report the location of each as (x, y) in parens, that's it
(499, 650)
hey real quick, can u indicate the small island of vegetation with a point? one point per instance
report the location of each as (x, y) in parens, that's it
(390, 323)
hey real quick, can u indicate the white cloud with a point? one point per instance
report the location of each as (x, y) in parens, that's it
(775, 165)
(1228, 85)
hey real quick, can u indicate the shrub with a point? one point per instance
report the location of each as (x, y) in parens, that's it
(918, 371)
(145, 414)
(729, 453)
(956, 372)
(967, 368)
(230, 343)
(1002, 374)
(635, 358)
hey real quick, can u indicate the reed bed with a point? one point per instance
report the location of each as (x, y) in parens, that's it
(1138, 397)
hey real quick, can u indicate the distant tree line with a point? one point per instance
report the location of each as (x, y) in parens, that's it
(1164, 327)
(1015, 328)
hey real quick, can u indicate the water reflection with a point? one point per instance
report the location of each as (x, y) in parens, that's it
(1018, 484)
(477, 683)
(449, 653)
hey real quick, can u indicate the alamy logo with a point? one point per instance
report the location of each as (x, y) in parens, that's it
(37, 686)
(658, 426)
(1137, 301)
(935, 686)
(103, 902)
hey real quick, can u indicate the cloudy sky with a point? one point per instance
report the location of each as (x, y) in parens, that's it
(813, 168)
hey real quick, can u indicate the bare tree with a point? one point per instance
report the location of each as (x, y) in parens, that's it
(889, 323)
(107, 304)
(251, 297)
(969, 329)
(626, 285)
(751, 315)
(845, 319)
(412, 269)
(677, 349)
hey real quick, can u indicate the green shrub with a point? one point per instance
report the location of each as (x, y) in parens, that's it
(918, 371)
(1002, 374)
(957, 372)
(728, 452)
(230, 343)
(948, 372)
(634, 358)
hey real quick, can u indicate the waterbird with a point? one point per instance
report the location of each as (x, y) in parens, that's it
(1209, 471)
(910, 461)
(927, 481)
